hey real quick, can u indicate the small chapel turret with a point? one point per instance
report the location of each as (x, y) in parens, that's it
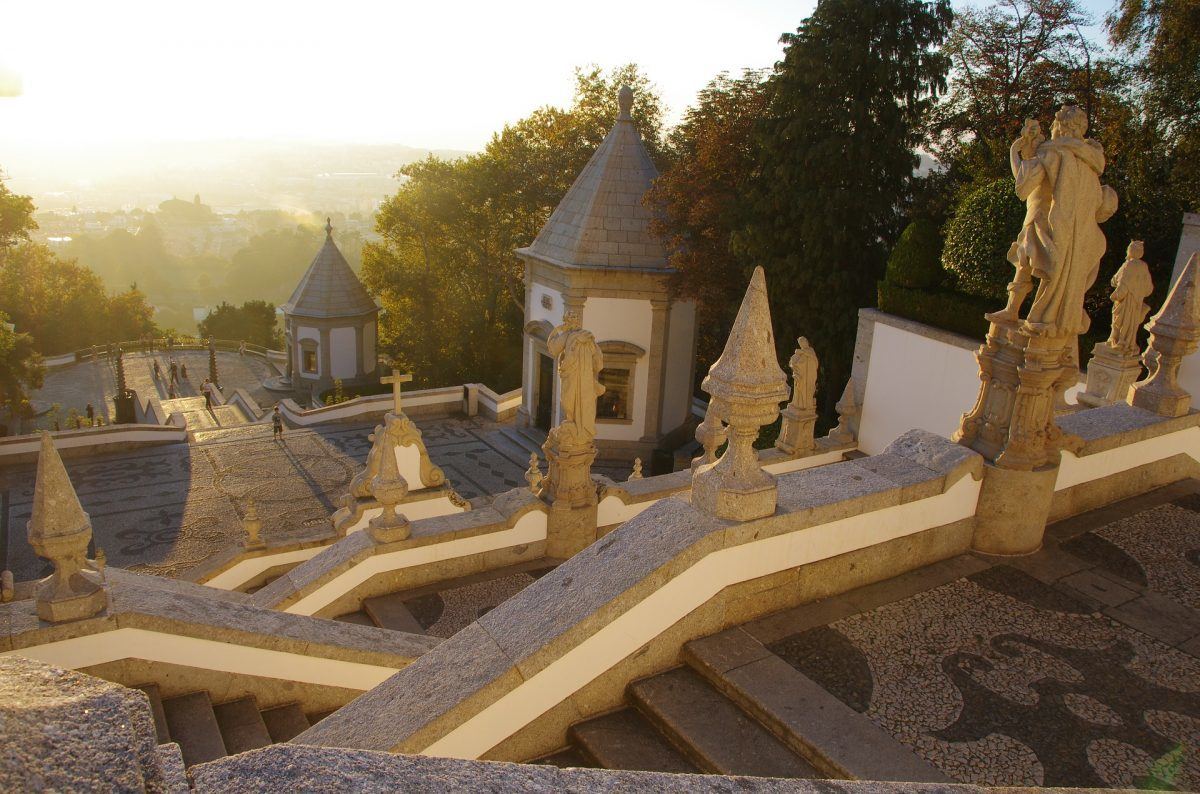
(330, 326)
(596, 257)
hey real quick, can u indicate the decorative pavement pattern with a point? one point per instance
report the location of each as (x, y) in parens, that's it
(1062, 674)
(446, 612)
(166, 509)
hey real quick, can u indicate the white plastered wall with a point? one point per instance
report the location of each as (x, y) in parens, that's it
(623, 320)
(917, 381)
(343, 352)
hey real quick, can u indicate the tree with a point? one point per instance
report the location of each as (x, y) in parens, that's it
(834, 159)
(985, 223)
(445, 271)
(253, 322)
(701, 198)
(16, 216)
(1012, 60)
(21, 370)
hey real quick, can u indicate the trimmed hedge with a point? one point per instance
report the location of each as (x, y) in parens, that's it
(985, 223)
(950, 311)
(916, 260)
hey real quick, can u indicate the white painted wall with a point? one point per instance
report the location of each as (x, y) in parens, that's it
(306, 332)
(914, 382)
(623, 320)
(677, 391)
(1189, 243)
(343, 352)
(369, 354)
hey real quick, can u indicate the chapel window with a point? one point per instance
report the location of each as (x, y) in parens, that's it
(614, 404)
(310, 361)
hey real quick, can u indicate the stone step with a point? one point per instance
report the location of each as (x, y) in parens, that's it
(320, 715)
(156, 708)
(285, 722)
(193, 726)
(835, 739)
(360, 618)
(714, 733)
(566, 758)
(389, 612)
(626, 740)
(511, 445)
(242, 727)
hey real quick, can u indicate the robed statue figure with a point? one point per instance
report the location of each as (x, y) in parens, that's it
(579, 364)
(1060, 241)
(1131, 286)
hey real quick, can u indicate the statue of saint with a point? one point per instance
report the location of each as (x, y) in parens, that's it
(1060, 241)
(804, 376)
(579, 364)
(1131, 286)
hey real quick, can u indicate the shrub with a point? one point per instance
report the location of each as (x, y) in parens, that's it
(985, 223)
(950, 311)
(916, 261)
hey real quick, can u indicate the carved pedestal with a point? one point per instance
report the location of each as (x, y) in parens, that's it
(1160, 392)
(1110, 374)
(736, 487)
(1023, 378)
(796, 434)
(569, 488)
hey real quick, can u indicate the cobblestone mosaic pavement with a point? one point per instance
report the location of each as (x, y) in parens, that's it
(1080, 670)
(96, 382)
(166, 509)
(445, 613)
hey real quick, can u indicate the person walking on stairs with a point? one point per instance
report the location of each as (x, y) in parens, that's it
(276, 423)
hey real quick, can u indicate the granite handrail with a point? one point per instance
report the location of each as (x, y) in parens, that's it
(565, 647)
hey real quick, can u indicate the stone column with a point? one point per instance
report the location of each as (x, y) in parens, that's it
(746, 385)
(656, 368)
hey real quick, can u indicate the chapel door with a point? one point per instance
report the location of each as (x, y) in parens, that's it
(545, 392)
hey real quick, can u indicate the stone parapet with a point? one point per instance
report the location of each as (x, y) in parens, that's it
(509, 531)
(565, 647)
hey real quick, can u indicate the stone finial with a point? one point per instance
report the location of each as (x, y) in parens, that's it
(710, 434)
(252, 525)
(625, 104)
(636, 474)
(59, 531)
(7, 586)
(746, 386)
(1174, 334)
(389, 488)
(848, 410)
(800, 417)
(101, 560)
(533, 475)
(328, 228)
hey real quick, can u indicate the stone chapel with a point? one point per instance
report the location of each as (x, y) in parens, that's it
(330, 326)
(596, 257)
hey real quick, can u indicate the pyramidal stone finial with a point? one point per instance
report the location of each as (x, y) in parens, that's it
(1174, 334)
(60, 531)
(625, 104)
(747, 386)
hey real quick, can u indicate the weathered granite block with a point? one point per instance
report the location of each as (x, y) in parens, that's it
(66, 731)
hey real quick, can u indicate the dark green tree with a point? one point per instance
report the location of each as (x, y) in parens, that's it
(845, 109)
(253, 322)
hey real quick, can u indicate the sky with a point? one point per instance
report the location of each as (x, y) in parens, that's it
(440, 75)
(434, 74)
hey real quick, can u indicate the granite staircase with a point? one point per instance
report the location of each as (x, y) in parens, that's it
(386, 612)
(206, 731)
(686, 719)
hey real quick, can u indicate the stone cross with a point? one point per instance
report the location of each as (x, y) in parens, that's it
(396, 380)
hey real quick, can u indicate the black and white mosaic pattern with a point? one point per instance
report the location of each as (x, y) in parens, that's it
(1000, 679)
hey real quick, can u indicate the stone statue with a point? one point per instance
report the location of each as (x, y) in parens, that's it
(1131, 286)
(579, 364)
(1060, 241)
(799, 418)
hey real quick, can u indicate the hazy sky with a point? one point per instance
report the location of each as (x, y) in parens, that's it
(431, 74)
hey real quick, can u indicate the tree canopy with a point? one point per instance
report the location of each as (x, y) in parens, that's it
(253, 322)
